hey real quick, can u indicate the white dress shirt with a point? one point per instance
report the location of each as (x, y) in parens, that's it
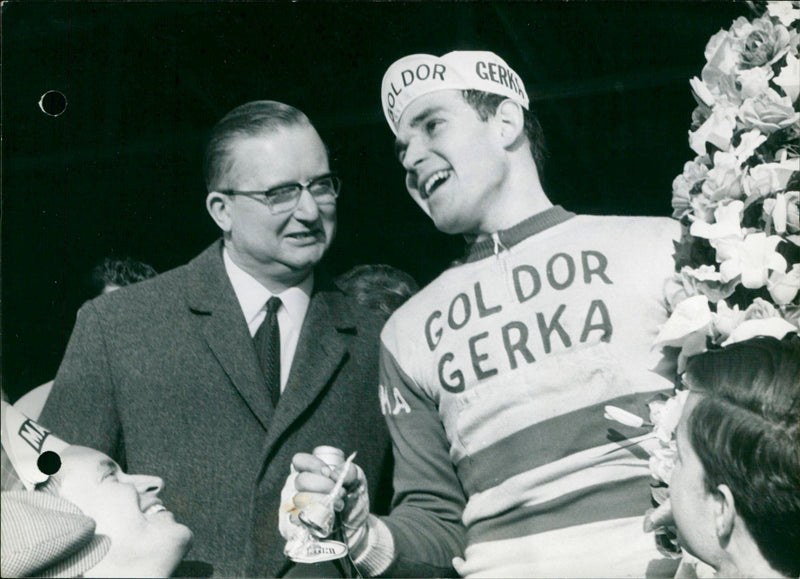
(253, 298)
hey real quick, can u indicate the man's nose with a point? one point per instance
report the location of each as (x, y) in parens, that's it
(307, 208)
(147, 484)
(415, 152)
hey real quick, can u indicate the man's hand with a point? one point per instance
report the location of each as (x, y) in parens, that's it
(310, 480)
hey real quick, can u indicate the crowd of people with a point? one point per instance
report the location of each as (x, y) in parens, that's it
(474, 405)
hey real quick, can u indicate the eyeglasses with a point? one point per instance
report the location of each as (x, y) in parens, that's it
(284, 198)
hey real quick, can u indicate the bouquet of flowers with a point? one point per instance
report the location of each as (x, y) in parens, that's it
(738, 259)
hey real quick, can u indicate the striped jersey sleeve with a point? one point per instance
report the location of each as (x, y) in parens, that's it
(427, 493)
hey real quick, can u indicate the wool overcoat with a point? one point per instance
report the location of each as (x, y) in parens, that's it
(163, 376)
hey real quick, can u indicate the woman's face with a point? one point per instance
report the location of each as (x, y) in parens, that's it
(692, 504)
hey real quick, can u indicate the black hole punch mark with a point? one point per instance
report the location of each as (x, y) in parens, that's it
(53, 103)
(49, 462)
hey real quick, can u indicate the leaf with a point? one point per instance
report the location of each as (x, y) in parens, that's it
(694, 252)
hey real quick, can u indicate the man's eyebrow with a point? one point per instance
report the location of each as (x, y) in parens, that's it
(107, 464)
(423, 114)
(286, 184)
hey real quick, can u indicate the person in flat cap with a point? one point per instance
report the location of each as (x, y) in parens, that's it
(215, 373)
(494, 376)
(79, 514)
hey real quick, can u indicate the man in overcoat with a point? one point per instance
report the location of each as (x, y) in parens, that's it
(180, 376)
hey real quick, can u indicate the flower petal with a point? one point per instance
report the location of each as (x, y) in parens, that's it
(783, 286)
(623, 416)
(775, 327)
(690, 316)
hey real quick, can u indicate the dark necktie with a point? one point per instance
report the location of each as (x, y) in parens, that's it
(268, 346)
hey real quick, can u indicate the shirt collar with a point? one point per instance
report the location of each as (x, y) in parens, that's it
(252, 295)
(508, 238)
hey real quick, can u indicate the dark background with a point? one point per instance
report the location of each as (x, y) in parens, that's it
(120, 171)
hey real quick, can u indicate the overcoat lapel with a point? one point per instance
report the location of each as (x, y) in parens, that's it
(321, 349)
(211, 298)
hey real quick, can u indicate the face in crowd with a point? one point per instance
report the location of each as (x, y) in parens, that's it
(693, 512)
(145, 538)
(264, 236)
(455, 162)
(735, 487)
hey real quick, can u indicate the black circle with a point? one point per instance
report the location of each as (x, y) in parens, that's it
(53, 103)
(49, 462)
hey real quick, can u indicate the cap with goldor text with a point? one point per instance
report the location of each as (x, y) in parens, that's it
(419, 74)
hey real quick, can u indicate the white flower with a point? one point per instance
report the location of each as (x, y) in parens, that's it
(727, 319)
(776, 327)
(677, 288)
(708, 281)
(722, 51)
(752, 259)
(760, 309)
(768, 178)
(727, 223)
(768, 112)
(750, 141)
(665, 414)
(724, 180)
(722, 60)
(793, 213)
(783, 211)
(744, 131)
(692, 315)
(693, 173)
(789, 77)
(703, 208)
(754, 81)
(717, 130)
(766, 43)
(783, 287)
(687, 328)
(622, 416)
(703, 273)
(662, 462)
(702, 93)
(785, 12)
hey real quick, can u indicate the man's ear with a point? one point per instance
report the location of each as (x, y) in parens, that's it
(219, 207)
(512, 123)
(724, 512)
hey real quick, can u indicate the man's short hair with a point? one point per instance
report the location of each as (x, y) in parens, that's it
(119, 271)
(746, 432)
(379, 286)
(486, 103)
(248, 120)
